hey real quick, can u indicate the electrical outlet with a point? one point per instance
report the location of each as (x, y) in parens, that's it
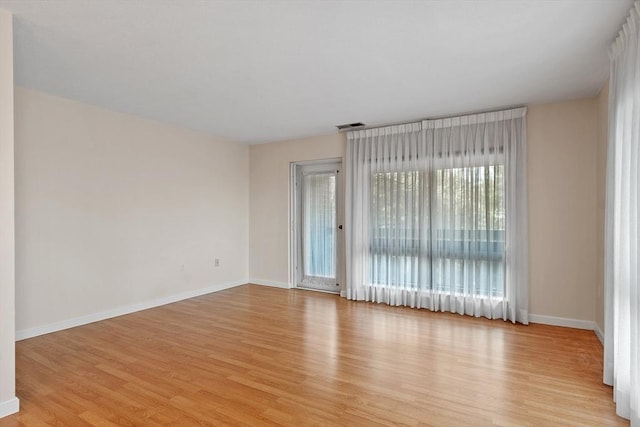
(216, 262)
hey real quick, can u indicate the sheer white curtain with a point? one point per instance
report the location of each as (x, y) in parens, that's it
(319, 224)
(622, 258)
(436, 215)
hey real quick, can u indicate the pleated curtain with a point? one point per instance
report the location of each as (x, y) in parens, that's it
(622, 239)
(436, 215)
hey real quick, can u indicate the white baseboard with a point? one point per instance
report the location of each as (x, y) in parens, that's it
(95, 317)
(598, 332)
(9, 407)
(562, 321)
(269, 283)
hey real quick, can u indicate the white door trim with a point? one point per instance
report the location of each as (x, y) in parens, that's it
(294, 219)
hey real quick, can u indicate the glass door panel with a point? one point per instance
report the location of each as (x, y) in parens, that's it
(318, 243)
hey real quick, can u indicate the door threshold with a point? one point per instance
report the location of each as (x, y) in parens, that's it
(302, 288)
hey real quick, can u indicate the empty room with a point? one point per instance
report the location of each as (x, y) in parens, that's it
(350, 213)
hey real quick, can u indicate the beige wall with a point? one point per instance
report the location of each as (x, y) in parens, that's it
(8, 401)
(561, 141)
(115, 211)
(269, 195)
(562, 202)
(601, 181)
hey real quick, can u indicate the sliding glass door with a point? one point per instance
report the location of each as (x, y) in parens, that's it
(318, 230)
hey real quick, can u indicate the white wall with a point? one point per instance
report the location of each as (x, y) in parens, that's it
(601, 183)
(561, 140)
(8, 401)
(117, 213)
(562, 202)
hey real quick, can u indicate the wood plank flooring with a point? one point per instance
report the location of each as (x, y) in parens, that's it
(255, 355)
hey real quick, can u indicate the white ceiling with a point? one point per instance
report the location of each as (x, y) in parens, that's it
(259, 71)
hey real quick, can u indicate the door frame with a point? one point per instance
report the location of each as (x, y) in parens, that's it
(294, 221)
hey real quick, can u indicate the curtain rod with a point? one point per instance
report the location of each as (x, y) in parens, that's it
(448, 116)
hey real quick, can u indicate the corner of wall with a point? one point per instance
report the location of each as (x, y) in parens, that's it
(602, 102)
(8, 402)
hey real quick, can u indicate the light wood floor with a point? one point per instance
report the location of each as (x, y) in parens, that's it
(261, 356)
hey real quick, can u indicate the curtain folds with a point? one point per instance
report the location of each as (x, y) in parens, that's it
(436, 215)
(622, 269)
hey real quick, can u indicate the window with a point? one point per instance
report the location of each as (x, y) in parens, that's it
(441, 231)
(437, 215)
